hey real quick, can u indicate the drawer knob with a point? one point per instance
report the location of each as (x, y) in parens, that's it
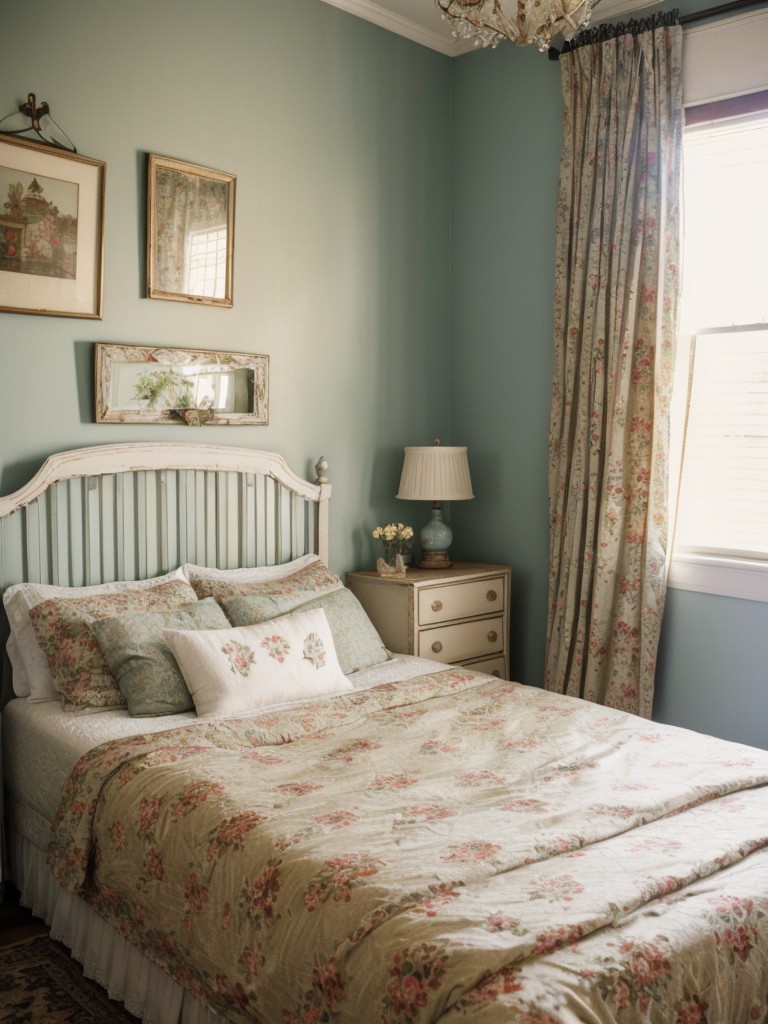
(493, 636)
(437, 606)
(491, 595)
(437, 647)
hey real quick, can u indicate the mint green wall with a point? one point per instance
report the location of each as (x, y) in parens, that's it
(338, 134)
(505, 152)
(389, 199)
(504, 167)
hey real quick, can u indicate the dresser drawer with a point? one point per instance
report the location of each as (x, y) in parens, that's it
(463, 640)
(461, 600)
(493, 666)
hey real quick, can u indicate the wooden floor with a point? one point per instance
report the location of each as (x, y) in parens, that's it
(16, 922)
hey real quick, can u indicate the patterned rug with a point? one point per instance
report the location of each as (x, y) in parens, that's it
(41, 984)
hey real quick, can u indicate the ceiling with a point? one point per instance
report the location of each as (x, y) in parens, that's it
(421, 21)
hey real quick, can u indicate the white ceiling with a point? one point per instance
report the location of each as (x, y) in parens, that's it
(421, 21)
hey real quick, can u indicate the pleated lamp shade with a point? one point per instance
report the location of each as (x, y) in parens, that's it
(435, 473)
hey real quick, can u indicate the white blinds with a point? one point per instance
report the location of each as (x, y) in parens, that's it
(723, 505)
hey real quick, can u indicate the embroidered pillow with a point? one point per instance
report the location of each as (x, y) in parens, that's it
(357, 643)
(142, 663)
(31, 674)
(247, 668)
(309, 581)
(63, 630)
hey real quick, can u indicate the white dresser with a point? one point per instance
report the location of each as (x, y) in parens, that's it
(459, 615)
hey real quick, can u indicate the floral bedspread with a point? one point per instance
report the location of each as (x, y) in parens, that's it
(446, 848)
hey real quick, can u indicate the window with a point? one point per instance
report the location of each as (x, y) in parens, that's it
(721, 531)
(206, 262)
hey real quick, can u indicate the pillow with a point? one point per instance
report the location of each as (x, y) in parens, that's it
(30, 665)
(19, 675)
(246, 668)
(357, 643)
(62, 626)
(140, 660)
(199, 574)
(310, 580)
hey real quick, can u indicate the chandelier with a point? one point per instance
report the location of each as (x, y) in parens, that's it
(522, 21)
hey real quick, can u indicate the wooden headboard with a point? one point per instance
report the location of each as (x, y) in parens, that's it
(133, 511)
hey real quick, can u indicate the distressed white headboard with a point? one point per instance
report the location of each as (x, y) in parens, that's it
(133, 511)
(129, 511)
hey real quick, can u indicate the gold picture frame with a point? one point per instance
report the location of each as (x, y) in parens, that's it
(51, 230)
(190, 232)
(137, 384)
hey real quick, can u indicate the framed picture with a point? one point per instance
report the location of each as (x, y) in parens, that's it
(190, 232)
(51, 230)
(135, 384)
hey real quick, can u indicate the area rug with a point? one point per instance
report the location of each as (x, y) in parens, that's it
(41, 984)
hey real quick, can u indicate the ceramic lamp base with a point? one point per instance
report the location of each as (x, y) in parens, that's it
(436, 539)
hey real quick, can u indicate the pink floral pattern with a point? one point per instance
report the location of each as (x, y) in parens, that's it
(62, 627)
(616, 298)
(357, 881)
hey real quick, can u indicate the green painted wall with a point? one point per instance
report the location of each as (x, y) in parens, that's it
(389, 199)
(506, 129)
(338, 134)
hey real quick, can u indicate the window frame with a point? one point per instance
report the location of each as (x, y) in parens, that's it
(726, 575)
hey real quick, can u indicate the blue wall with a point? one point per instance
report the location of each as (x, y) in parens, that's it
(338, 133)
(393, 256)
(506, 130)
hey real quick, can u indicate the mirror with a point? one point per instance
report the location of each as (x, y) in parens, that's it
(175, 385)
(190, 232)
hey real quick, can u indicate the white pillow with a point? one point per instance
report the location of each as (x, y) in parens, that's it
(257, 574)
(246, 668)
(31, 673)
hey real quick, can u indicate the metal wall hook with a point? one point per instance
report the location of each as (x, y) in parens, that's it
(33, 121)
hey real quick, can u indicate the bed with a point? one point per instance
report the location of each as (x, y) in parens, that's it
(409, 841)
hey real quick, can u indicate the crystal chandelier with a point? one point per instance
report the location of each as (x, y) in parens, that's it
(522, 21)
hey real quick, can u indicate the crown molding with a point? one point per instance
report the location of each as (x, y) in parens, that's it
(371, 11)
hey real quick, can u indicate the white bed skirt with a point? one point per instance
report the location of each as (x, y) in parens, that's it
(107, 957)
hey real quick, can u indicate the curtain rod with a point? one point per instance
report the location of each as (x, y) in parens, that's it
(689, 19)
(712, 12)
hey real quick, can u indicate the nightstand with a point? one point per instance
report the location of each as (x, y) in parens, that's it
(459, 616)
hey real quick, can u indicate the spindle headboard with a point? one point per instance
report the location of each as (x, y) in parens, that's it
(133, 511)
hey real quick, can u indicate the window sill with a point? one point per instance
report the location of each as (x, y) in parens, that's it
(730, 577)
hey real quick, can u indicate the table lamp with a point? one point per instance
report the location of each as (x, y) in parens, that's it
(435, 473)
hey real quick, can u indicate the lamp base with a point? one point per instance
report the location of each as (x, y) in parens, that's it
(435, 560)
(436, 539)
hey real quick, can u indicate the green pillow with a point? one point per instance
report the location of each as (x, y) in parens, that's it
(357, 643)
(141, 661)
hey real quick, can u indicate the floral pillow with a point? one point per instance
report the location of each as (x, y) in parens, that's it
(200, 575)
(63, 630)
(31, 673)
(140, 660)
(247, 668)
(357, 643)
(280, 594)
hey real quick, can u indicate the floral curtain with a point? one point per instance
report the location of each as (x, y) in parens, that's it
(616, 301)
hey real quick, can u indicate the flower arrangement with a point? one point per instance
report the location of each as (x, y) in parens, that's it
(397, 538)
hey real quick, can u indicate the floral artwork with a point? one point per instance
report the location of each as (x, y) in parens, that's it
(51, 230)
(314, 651)
(276, 646)
(240, 656)
(38, 225)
